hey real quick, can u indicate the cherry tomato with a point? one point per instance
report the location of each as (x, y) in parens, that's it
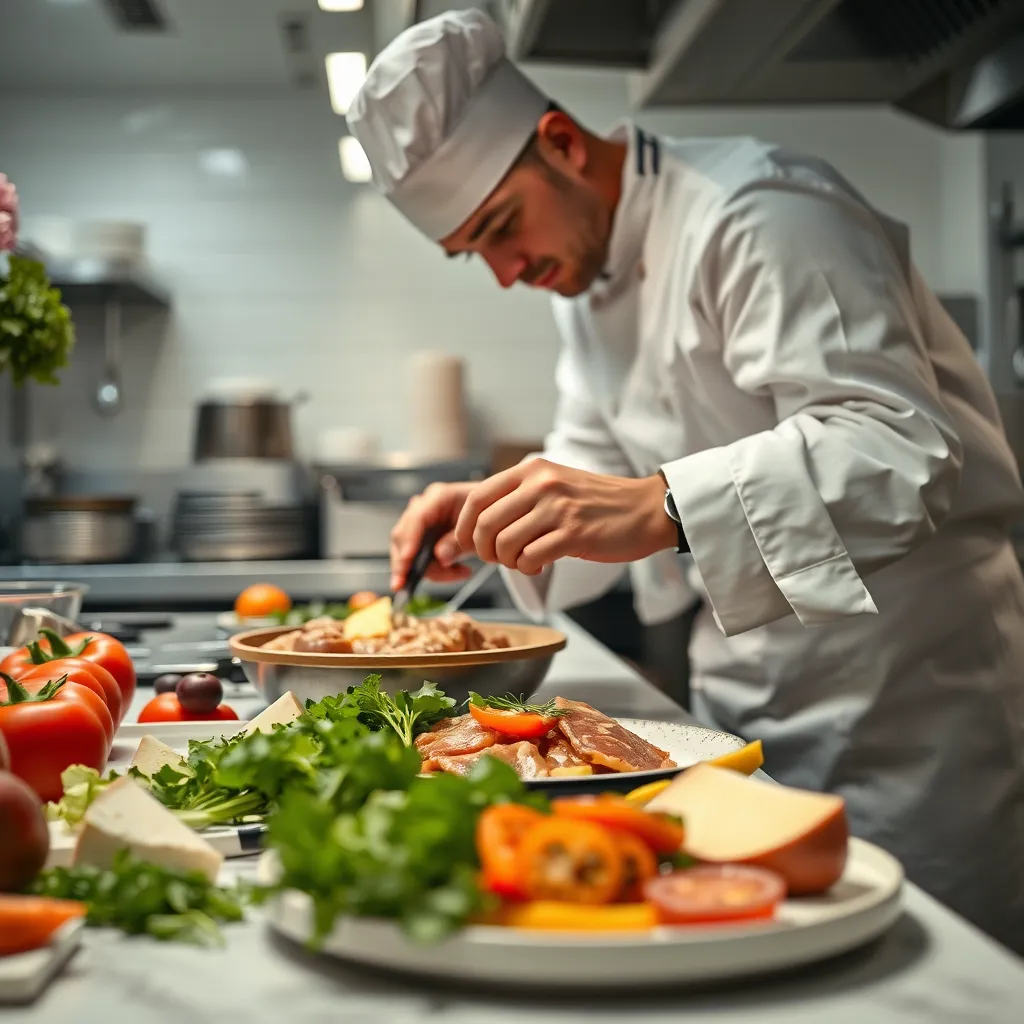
(85, 673)
(48, 730)
(523, 725)
(715, 893)
(661, 833)
(167, 708)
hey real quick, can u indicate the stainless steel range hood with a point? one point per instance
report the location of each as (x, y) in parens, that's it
(956, 63)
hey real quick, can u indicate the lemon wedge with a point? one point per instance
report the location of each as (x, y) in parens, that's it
(746, 761)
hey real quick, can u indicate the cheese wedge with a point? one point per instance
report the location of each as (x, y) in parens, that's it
(372, 621)
(153, 754)
(733, 819)
(124, 816)
(283, 711)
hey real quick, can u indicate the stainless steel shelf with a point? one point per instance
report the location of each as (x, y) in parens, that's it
(88, 281)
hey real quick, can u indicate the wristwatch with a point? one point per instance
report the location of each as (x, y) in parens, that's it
(673, 513)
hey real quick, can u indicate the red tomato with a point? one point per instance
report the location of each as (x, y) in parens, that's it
(166, 707)
(715, 893)
(85, 673)
(17, 662)
(86, 691)
(111, 654)
(523, 725)
(47, 734)
(98, 648)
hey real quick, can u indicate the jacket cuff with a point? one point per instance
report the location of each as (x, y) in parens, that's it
(728, 538)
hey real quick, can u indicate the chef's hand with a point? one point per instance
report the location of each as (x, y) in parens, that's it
(537, 512)
(439, 504)
(8, 213)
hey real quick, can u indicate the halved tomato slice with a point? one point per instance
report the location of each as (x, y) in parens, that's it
(715, 893)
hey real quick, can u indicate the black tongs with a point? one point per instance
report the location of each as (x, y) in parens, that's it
(424, 556)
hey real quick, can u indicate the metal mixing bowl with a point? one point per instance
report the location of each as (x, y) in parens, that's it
(519, 670)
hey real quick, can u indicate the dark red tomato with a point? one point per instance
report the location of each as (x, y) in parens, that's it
(85, 673)
(167, 708)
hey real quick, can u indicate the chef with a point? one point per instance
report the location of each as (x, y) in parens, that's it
(760, 403)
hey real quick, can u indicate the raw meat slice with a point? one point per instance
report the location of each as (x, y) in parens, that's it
(523, 756)
(462, 735)
(559, 754)
(599, 739)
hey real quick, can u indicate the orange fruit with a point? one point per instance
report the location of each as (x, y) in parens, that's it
(361, 600)
(261, 599)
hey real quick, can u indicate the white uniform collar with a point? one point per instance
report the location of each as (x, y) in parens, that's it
(629, 225)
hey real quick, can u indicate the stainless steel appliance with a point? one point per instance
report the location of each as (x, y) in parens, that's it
(360, 503)
(68, 530)
(244, 425)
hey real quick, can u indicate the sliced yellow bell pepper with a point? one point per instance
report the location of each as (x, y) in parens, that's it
(551, 915)
(746, 760)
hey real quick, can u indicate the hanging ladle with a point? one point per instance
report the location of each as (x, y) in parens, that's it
(108, 391)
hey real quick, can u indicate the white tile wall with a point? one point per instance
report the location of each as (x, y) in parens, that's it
(293, 273)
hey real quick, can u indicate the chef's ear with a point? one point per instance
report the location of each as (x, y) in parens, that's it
(561, 139)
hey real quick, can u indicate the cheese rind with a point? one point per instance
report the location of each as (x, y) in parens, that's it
(126, 816)
(152, 754)
(732, 819)
(283, 711)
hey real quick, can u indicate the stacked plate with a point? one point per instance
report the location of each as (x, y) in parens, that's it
(238, 526)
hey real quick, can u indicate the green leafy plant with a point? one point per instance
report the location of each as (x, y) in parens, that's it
(36, 332)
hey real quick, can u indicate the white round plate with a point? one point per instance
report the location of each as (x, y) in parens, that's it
(865, 902)
(685, 744)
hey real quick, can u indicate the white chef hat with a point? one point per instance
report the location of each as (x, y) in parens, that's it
(442, 116)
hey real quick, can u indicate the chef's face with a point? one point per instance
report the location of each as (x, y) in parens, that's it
(545, 224)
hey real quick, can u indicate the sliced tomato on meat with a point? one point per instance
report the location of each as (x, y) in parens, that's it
(523, 725)
(715, 893)
(662, 833)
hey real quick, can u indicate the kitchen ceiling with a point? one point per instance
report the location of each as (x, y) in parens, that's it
(82, 45)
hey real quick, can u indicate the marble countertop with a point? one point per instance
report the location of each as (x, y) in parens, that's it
(931, 967)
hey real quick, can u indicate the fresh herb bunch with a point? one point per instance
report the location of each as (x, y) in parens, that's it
(519, 705)
(36, 332)
(329, 750)
(143, 898)
(408, 714)
(408, 852)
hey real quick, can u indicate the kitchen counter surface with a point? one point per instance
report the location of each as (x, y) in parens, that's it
(930, 967)
(162, 583)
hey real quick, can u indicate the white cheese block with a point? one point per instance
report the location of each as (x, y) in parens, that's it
(283, 711)
(153, 754)
(125, 815)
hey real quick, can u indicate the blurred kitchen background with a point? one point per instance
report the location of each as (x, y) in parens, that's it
(270, 360)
